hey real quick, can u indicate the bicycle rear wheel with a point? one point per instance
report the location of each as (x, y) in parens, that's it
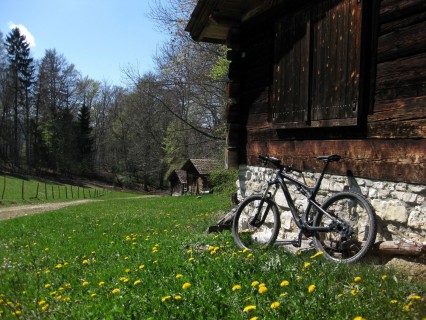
(261, 234)
(346, 244)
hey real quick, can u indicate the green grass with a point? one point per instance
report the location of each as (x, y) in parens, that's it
(30, 190)
(151, 259)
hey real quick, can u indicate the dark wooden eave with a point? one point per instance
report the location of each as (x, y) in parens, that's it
(211, 19)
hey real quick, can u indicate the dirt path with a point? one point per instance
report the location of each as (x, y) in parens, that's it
(20, 211)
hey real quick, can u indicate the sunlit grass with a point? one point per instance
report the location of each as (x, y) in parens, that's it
(151, 259)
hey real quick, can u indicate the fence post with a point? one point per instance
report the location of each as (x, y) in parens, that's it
(53, 193)
(66, 192)
(38, 184)
(22, 195)
(4, 187)
(45, 190)
(72, 193)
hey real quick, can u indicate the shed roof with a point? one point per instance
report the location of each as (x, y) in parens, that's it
(203, 166)
(180, 174)
(211, 19)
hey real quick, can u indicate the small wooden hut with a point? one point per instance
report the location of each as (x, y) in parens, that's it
(178, 182)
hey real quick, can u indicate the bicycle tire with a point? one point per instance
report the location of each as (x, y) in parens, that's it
(250, 237)
(358, 212)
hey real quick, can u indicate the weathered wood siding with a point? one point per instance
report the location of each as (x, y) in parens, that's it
(388, 142)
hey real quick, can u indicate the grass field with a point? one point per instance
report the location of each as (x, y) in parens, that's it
(151, 259)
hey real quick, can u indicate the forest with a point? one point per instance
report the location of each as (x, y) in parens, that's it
(55, 120)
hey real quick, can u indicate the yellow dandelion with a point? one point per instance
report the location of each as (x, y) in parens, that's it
(178, 297)
(41, 302)
(101, 284)
(254, 283)
(254, 318)
(263, 289)
(45, 307)
(407, 306)
(250, 255)
(359, 318)
(191, 259)
(283, 294)
(249, 308)
(415, 297)
(178, 276)
(186, 286)
(116, 291)
(306, 264)
(189, 251)
(311, 288)
(85, 261)
(275, 305)
(127, 270)
(137, 282)
(245, 250)
(166, 298)
(354, 292)
(58, 266)
(236, 287)
(394, 301)
(141, 266)
(319, 253)
(384, 277)
(66, 299)
(124, 279)
(85, 283)
(47, 285)
(357, 279)
(93, 295)
(284, 283)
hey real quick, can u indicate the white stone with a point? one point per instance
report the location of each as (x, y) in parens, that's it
(391, 210)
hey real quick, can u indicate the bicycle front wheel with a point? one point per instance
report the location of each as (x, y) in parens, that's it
(354, 235)
(251, 233)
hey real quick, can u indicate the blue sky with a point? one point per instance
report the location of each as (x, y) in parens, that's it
(100, 37)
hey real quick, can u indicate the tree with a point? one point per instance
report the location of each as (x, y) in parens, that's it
(20, 80)
(85, 141)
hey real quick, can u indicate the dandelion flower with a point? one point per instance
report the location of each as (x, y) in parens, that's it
(284, 283)
(93, 295)
(189, 251)
(249, 308)
(236, 287)
(127, 270)
(45, 307)
(178, 276)
(186, 286)
(263, 289)
(191, 259)
(306, 264)
(124, 279)
(319, 253)
(254, 318)
(47, 285)
(357, 279)
(178, 297)
(137, 282)
(311, 288)
(394, 301)
(116, 291)
(85, 261)
(254, 283)
(359, 318)
(354, 292)
(101, 284)
(384, 277)
(141, 266)
(85, 283)
(58, 266)
(166, 298)
(41, 302)
(415, 297)
(275, 305)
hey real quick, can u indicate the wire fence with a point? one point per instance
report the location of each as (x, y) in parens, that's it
(20, 189)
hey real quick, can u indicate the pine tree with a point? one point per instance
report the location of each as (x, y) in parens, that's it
(85, 139)
(20, 80)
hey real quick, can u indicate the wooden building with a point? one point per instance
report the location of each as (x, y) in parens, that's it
(192, 178)
(178, 182)
(317, 77)
(330, 76)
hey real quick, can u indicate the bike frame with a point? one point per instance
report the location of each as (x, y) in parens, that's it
(309, 192)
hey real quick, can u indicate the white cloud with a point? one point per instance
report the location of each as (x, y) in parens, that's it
(23, 29)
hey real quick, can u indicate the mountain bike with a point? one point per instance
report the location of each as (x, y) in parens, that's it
(343, 227)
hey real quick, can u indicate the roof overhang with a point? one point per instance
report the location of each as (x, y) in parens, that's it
(211, 20)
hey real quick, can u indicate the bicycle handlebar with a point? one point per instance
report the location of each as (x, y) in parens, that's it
(277, 162)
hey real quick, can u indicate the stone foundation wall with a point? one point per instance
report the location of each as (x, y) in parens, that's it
(400, 207)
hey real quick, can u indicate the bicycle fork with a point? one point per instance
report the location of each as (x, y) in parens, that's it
(259, 218)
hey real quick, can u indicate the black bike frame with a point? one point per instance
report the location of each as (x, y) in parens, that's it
(301, 220)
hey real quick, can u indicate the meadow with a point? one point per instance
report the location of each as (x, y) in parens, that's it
(150, 258)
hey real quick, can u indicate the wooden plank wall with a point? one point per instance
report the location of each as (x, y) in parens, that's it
(391, 147)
